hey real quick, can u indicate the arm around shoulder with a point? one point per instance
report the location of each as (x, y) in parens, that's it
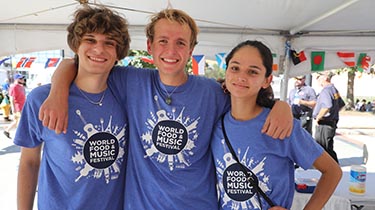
(54, 111)
(279, 123)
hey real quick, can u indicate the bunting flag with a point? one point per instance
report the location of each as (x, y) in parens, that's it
(25, 62)
(147, 59)
(220, 58)
(317, 61)
(126, 61)
(275, 63)
(297, 57)
(199, 62)
(364, 62)
(347, 57)
(51, 62)
(21, 62)
(3, 60)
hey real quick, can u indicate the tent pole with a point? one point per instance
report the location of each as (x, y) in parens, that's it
(286, 66)
(321, 17)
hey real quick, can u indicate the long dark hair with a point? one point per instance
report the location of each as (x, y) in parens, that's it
(265, 95)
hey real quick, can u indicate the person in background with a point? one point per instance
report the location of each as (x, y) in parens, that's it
(326, 113)
(171, 118)
(5, 86)
(5, 106)
(302, 99)
(84, 168)
(242, 154)
(17, 96)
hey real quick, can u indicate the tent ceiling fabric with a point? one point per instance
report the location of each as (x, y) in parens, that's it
(40, 25)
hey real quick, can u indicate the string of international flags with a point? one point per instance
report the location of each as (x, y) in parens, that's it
(318, 60)
(361, 60)
(26, 62)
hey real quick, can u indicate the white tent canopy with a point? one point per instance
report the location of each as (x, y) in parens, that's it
(334, 25)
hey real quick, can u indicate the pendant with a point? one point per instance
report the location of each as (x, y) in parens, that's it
(168, 100)
(100, 104)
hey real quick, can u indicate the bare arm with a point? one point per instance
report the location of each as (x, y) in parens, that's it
(54, 111)
(310, 104)
(331, 176)
(322, 113)
(28, 177)
(279, 123)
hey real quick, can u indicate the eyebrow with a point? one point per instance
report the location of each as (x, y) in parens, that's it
(251, 66)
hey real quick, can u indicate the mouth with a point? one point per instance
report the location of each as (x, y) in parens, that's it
(167, 60)
(96, 59)
(240, 86)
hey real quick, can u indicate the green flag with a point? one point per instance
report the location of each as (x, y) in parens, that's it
(361, 61)
(317, 61)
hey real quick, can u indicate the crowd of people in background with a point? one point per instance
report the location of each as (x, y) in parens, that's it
(364, 105)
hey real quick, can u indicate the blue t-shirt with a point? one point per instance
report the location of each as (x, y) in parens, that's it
(170, 164)
(270, 160)
(329, 99)
(85, 168)
(305, 93)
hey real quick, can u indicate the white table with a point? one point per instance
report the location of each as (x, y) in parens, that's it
(341, 194)
(368, 199)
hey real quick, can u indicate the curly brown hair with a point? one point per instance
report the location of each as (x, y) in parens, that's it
(99, 20)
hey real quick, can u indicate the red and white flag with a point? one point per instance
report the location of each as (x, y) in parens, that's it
(347, 57)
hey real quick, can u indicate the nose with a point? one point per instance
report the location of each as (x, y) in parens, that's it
(241, 77)
(99, 47)
(171, 48)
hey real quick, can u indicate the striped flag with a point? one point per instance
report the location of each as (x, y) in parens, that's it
(21, 62)
(199, 62)
(25, 62)
(220, 58)
(347, 57)
(147, 59)
(51, 62)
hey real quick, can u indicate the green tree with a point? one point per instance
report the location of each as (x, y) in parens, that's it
(350, 84)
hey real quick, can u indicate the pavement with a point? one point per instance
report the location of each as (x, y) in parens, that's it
(355, 134)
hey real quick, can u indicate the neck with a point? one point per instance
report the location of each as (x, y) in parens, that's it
(93, 84)
(174, 80)
(243, 110)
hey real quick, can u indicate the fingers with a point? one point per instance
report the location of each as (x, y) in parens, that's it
(277, 130)
(51, 120)
(61, 124)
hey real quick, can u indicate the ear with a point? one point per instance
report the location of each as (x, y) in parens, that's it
(149, 46)
(267, 81)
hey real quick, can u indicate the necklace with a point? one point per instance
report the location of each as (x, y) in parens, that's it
(100, 102)
(168, 99)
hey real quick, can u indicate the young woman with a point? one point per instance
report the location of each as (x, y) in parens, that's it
(246, 158)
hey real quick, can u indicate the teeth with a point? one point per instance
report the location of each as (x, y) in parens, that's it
(97, 59)
(169, 60)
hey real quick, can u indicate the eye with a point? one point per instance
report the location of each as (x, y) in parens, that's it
(163, 41)
(110, 43)
(89, 40)
(234, 68)
(181, 43)
(253, 72)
